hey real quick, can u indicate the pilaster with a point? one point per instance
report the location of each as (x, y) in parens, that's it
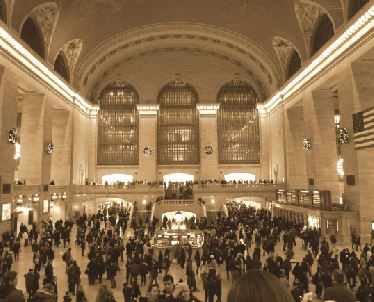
(36, 133)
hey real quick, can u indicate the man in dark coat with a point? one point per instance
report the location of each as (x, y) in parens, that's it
(339, 292)
(8, 291)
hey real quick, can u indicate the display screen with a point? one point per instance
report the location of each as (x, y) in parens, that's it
(5, 211)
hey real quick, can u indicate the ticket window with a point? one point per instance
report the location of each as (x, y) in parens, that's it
(332, 226)
(313, 221)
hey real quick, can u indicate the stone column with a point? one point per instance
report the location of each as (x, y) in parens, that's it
(36, 132)
(346, 89)
(148, 138)
(265, 147)
(8, 120)
(92, 147)
(320, 129)
(363, 98)
(296, 157)
(61, 137)
(208, 137)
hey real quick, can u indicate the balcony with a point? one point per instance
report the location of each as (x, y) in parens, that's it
(132, 188)
(237, 188)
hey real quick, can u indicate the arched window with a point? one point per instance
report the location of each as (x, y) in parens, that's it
(294, 64)
(238, 124)
(118, 125)
(3, 11)
(31, 34)
(178, 125)
(62, 67)
(354, 7)
(324, 30)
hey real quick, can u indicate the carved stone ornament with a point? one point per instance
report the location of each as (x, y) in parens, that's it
(147, 151)
(50, 147)
(343, 136)
(307, 145)
(46, 16)
(208, 150)
(72, 50)
(12, 136)
(307, 13)
(284, 50)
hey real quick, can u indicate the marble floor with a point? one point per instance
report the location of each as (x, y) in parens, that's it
(25, 262)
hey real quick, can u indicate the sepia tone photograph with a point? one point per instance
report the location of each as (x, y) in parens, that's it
(186, 151)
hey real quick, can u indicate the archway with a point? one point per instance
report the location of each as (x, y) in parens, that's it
(240, 177)
(112, 179)
(178, 177)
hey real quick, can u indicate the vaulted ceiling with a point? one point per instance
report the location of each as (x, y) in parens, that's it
(100, 38)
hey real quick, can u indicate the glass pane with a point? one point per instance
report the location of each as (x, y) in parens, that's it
(238, 124)
(118, 126)
(178, 125)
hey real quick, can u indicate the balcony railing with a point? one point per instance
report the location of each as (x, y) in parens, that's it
(117, 188)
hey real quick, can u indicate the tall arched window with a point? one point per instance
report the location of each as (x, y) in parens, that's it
(118, 125)
(354, 6)
(294, 64)
(178, 125)
(323, 32)
(3, 11)
(238, 124)
(61, 66)
(31, 34)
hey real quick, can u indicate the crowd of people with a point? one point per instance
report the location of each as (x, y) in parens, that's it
(239, 247)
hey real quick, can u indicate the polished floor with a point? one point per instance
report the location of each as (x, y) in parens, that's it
(25, 262)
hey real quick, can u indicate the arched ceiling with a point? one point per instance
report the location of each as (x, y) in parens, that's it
(244, 30)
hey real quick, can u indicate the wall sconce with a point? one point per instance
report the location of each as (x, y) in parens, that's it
(12, 136)
(20, 198)
(307, 145)
(50, 147)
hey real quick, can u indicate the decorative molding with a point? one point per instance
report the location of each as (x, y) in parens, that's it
(284, 49)
(208, 109)
(46, 15)
(72, 50)
(186, 36)
(360, 32)
(307, 14)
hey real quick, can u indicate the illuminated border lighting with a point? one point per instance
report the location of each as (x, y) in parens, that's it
(148, 109)
(362, 26)
(207, 108)
(21, 54)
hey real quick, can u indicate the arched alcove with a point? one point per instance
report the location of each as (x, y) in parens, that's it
(294, 64)
(31, 34)
(61, 66)
(323, 32)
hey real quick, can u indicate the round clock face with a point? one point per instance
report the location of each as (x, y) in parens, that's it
(307, 145)
(147, 151)
(208, 150)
